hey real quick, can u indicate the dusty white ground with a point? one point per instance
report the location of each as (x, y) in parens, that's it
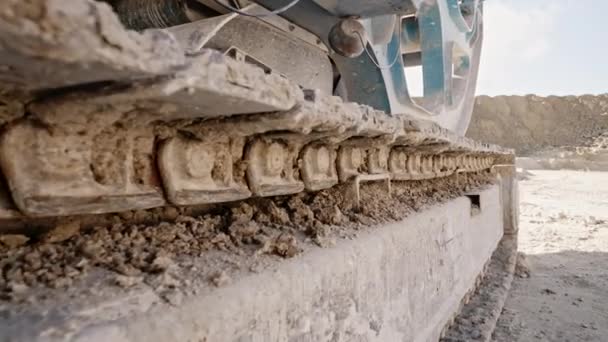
(564, 233)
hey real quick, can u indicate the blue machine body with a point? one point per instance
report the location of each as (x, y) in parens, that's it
(443, 37)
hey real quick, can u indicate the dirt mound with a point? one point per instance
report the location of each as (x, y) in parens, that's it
(532, 123)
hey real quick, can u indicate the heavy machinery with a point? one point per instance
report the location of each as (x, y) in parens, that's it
(124, 106)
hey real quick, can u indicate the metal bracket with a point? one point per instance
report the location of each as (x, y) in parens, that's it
(356, 184)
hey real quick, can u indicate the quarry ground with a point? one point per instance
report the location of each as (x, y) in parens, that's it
(564, 235)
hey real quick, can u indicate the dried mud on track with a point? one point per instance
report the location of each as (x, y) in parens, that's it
(172, 260)
(564, 234)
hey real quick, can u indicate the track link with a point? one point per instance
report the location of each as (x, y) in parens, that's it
(114, 120)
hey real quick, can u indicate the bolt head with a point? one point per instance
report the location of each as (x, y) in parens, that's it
(348, 38)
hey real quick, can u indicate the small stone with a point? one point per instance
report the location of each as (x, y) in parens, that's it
(14, 274)
(286, 245)
(220, 279)
(330, 215)
(301, 213)
(548, 291)
(127, 281)
(323, 241)
(82, 264)
(277, 214)
(243, 231)
(17, 287)
(475, 334)
(522, 267)
(337, 216)
(141, 216)
(173, 297)
(60, 282)
(71, 272)
(162, 281)
(13, 240)
(241, 214)
(220, 240)
(62, 232)
(170, 213)
(125, 269)
(33, 259)
(126, 215)
(165, 233)
(161, 263)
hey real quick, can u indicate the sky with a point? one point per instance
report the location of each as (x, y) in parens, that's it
(544, 47)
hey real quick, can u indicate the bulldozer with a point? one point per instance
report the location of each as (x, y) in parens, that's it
(114, 108)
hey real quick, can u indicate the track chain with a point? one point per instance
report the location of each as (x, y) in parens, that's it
(114, 120)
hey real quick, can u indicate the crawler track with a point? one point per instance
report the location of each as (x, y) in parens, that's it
(100, 119)
(97, 119)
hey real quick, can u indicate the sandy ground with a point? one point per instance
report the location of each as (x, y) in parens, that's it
(564, 233)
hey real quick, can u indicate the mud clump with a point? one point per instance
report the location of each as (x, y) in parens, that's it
(126, 281)
(13, 240)
(522, 266)
(62, 232)
(220, 278)
(284, 244)
(155, 254)
(301, 214)
(271, 213)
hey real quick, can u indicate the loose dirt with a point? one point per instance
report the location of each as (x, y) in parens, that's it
(560, 292)
(175, 259)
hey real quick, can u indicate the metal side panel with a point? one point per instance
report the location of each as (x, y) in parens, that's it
(399, 282)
